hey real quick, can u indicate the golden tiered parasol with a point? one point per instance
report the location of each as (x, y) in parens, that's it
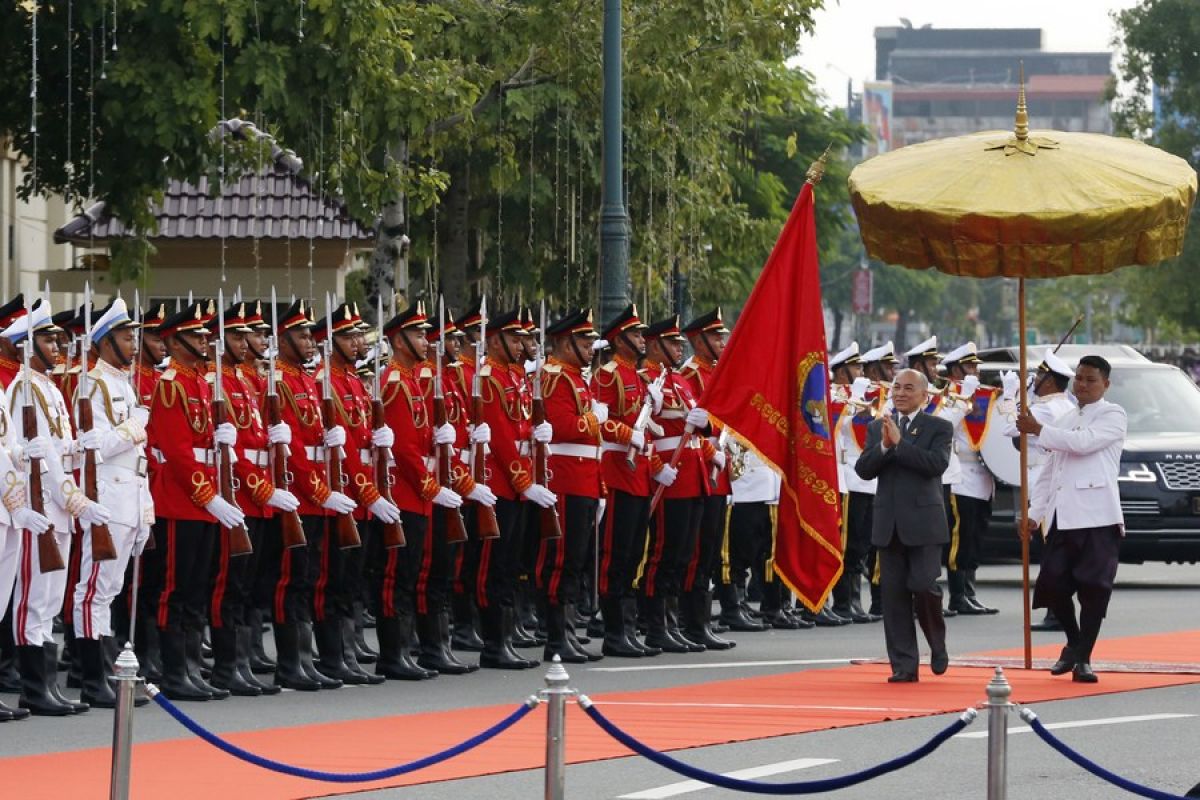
(1030, 204)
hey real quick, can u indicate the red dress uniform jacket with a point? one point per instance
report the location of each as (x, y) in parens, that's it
(8, 372)
(408, 417)
(352, 409)
(568, 402)
(300, 400)
(506, 412)
(144, 380)
(251, 447)
(253, 379)
(180, 435)
(698, 373)
(692, 465)
(619, 385)
(456, 415)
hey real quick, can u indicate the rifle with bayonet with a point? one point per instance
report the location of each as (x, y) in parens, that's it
(443, 454)
(489, 526)
(549, 523)
(344, 525)
(291, 529)
(103, 548)
(643, 418)
(393, 532)
(49, 557)
(239, 537)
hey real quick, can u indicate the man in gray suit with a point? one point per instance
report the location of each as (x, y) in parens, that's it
(908, 452)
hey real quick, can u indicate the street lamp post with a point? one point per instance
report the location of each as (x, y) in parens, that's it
(614, 220)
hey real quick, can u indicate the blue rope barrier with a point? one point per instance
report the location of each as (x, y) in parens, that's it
(1091, 766)
(341, 777)
(801, 787)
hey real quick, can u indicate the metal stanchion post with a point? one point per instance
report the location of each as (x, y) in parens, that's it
(998, 692)
(127, 680)
(555, 695)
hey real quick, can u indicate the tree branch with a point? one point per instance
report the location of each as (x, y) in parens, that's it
(518, 80)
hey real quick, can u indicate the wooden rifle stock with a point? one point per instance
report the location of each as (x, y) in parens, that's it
(291, 528)
(393, 532)
(688, 430)
(239, 537)
(549, 523)
(485, 516)
(344, 524)
(49, 557)
(103, 548)
(456, 531)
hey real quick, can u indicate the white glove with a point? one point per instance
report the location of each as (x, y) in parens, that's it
(656, 395)
(719, 459)
(970, 384)
(530, 367)
(480, 434)
(335, 436)
(542, 434)
(140, 415)
(638, 440)
(339, 503)
(447, 498)
(697, 417)
(225, 434)
(599, 345)
(385, 511)
(279, 434)
(667, 475)
(39, 447)
(94, 514)
(541, 495)
(29, 520)
(91, 440)
(483, 495)
(283, 500)
(1011, 383)
(601, 411)
(229, 515)
(445, 435)
(383, 437)
(858, 389)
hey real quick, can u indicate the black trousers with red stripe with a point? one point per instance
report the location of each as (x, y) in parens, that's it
(394, 572)
(466, 558)
(437, 568)
(622, 542)
(706, 554)
(183, 566)
(233, 578)
(291, 574)
(499, 559)
(561, 563)
(674, 529)
(333, 591)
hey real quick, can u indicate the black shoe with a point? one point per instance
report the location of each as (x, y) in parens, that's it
(949, 612)
(980, 607)
(939, 662)
(1066, 662)
(1082, 673)
(903, 677)
(8, 714)
(781, 621)
(1048, 623)
(964, 606)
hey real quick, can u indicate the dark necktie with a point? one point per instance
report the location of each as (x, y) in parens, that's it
(903, 426)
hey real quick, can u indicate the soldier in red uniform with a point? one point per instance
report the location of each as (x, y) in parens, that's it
(526, 616)
(187, 503)
(621, 387)
(152, 353)
(707, 335)
(574, 477)
(340, 572)
(675, 523)
(299, 567)
(506, 412)
(465, 613)
(257, 341)
(234, 586)
(10, 358)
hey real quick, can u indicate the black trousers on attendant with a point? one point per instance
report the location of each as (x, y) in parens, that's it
(968, 519)
(562, 563)
(674, 530)
(747, 539)
(500, 558)
(1082, 563)
(437, 567)
(859, 517)
(186, 550)
(394, 586)
(622, 542)
(706, 556)
(234, 577)
(333, 591)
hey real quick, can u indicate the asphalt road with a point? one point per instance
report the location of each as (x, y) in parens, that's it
(1162, 751)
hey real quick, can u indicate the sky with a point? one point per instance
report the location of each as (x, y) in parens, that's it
(844, 41)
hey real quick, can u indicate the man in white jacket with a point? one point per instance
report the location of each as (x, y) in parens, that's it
(1077, 504)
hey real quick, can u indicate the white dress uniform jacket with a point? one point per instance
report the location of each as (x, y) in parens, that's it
(848, 451)
(1045, 410)
(1077, 487)
(756, 482)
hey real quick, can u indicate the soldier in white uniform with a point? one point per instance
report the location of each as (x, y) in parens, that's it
(119, 436)
(971, 494)
(851, 416)
(879, 367)
(39, 595)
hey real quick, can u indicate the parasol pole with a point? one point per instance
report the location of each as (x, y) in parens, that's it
(1023, 513)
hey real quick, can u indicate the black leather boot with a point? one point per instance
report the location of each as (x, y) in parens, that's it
(51, 653)
(575, 641)
(557, 643)
(394, 662)
(734, 614)
(304, 638)
(148, 651)
(697, 620)
(435, 651)
(772, 609)
(629, 619)
(466, 618)
(225, 673)
(96, 690)
(35, 692)
(363, 654)
(260, 662)
(497, 647)
(350, 655)
(10, 676)
(194, 644)
(176, 684)
(243, 645)
(289, 674)
(675, 626)
(615, 643)
(448, 651)
(657, 636)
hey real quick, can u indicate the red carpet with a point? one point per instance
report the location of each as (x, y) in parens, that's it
(682, 717)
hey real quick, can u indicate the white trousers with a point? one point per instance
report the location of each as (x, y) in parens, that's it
(38, 595)
(100, 582)
(10, 556)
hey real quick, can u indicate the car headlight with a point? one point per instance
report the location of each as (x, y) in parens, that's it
(1137, 473)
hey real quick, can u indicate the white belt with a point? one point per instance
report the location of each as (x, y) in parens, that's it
(578, 450)
(673, 414)
(259, 458)
(131, 460)
(464, 455)
(315, 452)
(203, 455)
(366, 455)
(430, 463)
(715, 441)
(672, 443)
(524, 448)
(613, 447)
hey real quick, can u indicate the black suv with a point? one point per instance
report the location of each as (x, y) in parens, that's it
(1160, 466)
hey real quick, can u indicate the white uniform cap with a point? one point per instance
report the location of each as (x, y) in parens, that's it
(1052, 363)
(925, 349)
(885, 352)
(847, 356)
(38, 319)
(966, 352)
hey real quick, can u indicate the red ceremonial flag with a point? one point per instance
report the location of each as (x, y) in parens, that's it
(771, 390)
